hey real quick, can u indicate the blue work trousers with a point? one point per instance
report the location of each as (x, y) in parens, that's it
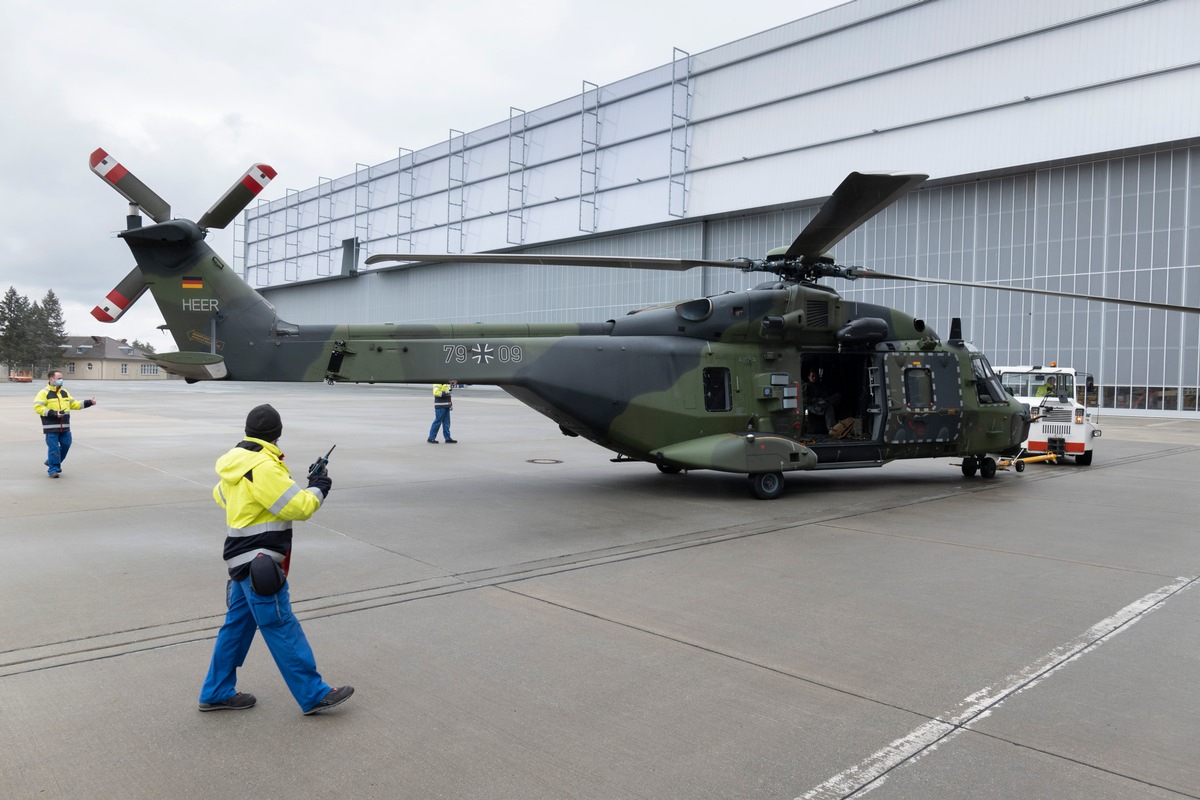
(57, 445)
(284, 637)
(441, 418)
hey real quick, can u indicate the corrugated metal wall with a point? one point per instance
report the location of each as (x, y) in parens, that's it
(949, 87)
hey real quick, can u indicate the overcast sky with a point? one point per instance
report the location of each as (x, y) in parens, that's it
(188, 95)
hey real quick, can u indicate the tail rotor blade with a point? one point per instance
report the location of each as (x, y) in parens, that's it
(237, 198)
(129, 186)
(119, 300)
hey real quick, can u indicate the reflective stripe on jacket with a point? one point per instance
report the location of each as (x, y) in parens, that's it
(52, 398)
(441, 396)
(261, 501)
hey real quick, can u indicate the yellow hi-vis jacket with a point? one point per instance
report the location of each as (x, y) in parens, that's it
(261, 501)
(59, 400)
(441, 396)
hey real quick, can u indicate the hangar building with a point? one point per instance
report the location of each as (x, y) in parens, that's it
(1062, 141)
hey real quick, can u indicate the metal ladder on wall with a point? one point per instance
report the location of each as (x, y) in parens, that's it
(456, 183)
(406, 181)
(324, 227)
(291, 235)
(518, 159)
(363, 195)
(589, 158)
(681, 109)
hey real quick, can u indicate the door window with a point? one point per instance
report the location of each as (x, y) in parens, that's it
(717, 389)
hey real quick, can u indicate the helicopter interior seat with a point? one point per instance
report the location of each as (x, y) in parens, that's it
(814, 421)
(848, 400)
(817, 416)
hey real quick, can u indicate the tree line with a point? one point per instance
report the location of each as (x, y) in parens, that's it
(33, 334)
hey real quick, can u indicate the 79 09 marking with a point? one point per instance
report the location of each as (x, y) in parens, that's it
(483, 353)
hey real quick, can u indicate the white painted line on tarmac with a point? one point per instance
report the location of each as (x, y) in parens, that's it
(871, 772)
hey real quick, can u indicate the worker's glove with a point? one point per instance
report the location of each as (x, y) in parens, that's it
(322, 482)
(51, 413)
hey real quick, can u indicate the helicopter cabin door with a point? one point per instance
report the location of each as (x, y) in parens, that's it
(925, 402)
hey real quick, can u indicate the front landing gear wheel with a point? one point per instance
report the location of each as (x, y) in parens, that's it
(969, 466)
(767, 485)
(987, 467)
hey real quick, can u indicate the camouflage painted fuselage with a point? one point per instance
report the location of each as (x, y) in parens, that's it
(709, 383)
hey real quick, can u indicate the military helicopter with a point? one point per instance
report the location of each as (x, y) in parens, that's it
(706, 383)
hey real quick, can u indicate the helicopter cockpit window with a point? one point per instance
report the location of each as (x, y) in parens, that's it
(918, 387)
(987, 383)
(717, 389)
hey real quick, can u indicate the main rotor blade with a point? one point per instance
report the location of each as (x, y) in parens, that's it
(238, 197)
(129, 186)
(858, 198)
(863, 272)
(675, 264)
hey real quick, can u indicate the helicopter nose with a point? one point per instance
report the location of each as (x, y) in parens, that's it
(1019, 428)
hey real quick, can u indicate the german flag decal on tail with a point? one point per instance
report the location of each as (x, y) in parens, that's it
(193, 283)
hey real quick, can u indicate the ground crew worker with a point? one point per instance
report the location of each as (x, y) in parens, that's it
(261, 501)
(442, 404)
(816, 402)
(54, 405)
(1047, 388)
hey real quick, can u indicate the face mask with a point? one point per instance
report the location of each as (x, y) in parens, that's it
(58, 382)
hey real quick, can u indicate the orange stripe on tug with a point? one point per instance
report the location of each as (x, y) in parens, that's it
(1069, 447)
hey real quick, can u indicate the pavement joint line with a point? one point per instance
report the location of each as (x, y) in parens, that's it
(25, 660)
(870, 773)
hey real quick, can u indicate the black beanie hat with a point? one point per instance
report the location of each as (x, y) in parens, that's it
(263, 422)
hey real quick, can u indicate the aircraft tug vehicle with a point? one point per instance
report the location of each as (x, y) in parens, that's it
(1059, 423)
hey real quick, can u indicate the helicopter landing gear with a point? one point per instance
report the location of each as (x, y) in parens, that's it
(986, 467)
(667, 469)
(766, 485)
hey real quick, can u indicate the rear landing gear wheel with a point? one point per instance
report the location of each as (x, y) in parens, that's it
(987, 467)
(667, 469)
(969, 466)
(767, 485)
